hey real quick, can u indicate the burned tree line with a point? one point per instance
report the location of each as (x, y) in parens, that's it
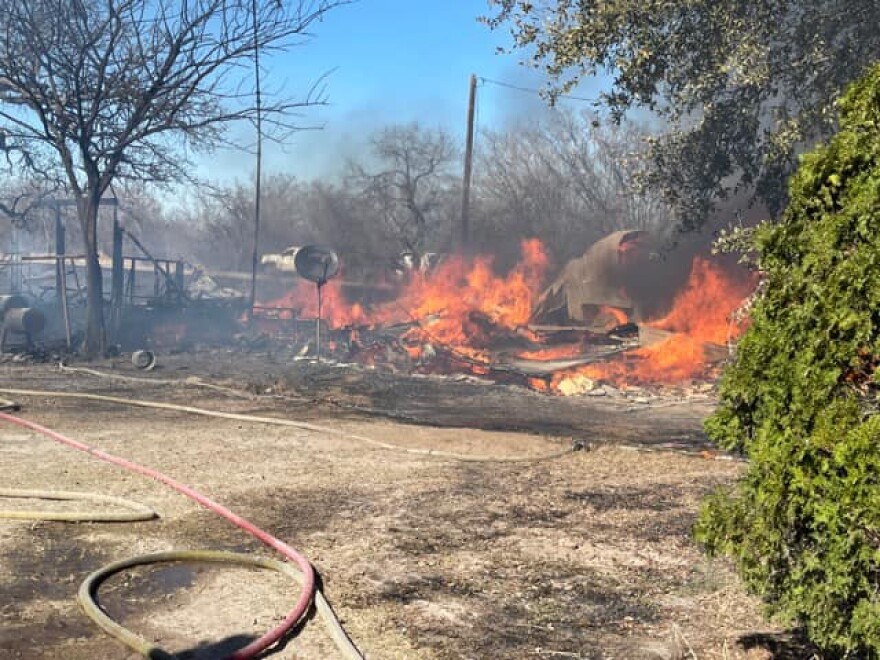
(565, 180)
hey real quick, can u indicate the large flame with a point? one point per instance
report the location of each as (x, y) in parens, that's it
(700, 315)
(456, 305)
(703, 310)
(463, 307)
(460, 303)
(302, 302)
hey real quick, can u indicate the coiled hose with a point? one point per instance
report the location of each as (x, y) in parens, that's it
(306, 573)
(89, 589)
(136, 511)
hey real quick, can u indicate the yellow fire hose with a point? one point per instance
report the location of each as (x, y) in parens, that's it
(89, 588)
(136, 511)
(276, 421)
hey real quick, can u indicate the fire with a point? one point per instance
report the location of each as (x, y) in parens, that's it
(462, 310)
(302, 302)
(700, 314)
(539, 384)
(703, 310)
(614, 315)
(460, 303)
(674, 360)
(553, 353)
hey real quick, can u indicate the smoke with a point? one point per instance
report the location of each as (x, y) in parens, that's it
(36, 236)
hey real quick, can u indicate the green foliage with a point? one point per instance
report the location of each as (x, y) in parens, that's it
(742, 86)
(801, 399)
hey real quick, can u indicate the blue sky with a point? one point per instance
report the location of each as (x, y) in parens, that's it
(390, 61)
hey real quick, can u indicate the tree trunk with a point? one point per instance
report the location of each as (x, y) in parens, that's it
(94, 340)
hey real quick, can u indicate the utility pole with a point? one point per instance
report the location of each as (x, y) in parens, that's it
(468, 166)
(256, 256)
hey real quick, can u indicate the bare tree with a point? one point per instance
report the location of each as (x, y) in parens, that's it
(100, 90)
(146, 214)
(222, 218)
(411, 186)
(22, 201)
(567, 180)
(338, 217)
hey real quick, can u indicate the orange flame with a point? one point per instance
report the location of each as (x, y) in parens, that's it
(302, 302)
(615, 315)
(456, 305)
(462, 292)
(676, 359)
(700, 314)
(553, 353)
(703, 309)
(538, 384)
(463, 306)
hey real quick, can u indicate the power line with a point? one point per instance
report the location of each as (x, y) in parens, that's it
(532, 90)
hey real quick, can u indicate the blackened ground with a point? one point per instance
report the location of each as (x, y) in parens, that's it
(584, 556)
(651, 416)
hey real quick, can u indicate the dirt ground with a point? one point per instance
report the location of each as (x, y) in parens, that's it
(584, 556)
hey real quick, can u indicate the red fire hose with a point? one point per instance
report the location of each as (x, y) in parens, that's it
(308, 581)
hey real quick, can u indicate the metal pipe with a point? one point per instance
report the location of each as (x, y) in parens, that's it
(25, 320)
(318, 324)
(13, 301)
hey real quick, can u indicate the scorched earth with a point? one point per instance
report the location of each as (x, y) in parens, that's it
(586, 555)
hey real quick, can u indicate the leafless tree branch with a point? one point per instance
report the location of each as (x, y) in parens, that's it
(95, 91)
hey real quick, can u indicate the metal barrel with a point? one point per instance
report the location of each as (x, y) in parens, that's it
(25, 320)
(11, 301)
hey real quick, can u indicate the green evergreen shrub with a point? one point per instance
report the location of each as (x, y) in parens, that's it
(801, 399)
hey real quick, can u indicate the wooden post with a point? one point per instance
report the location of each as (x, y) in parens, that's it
(132, 282)
(468, 166)
(157, 267)
(65, 307)
(60, 278)
(179, 280)
(117, 279)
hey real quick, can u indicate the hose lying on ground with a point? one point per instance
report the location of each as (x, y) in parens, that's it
(306, 426)
(308, 574)
(89, 589)
(136, 511)
(193, 381)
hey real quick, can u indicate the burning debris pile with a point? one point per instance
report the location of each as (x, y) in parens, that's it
(462, 317)
(685, 342)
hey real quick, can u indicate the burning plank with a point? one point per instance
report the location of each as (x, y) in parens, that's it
(543, 368)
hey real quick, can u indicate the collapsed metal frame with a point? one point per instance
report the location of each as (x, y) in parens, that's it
(123, 271)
